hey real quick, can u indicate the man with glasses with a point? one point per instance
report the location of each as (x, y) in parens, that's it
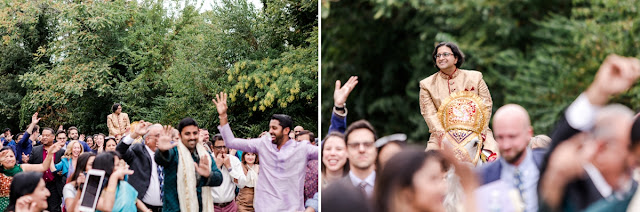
(231, 168)
(147, 177)
(283, 161)
(362, 153)
(448, 59)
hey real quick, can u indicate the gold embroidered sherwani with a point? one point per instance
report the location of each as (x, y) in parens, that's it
(118, 123)
(437, 87)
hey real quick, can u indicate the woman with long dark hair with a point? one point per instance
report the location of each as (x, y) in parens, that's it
(117, 195)
(75, 182)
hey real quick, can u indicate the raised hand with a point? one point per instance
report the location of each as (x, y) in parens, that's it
(55, 147)
(25, 158)
(34, 118)
(226, 160)
(219, 159)
(81, 137)
(3, 156)
(164, 142)
(140, 129)
(120, 170)
(340, 94)
(615, 75)
(203, 168)
(221, 103)
(80, 180)
(25, 204)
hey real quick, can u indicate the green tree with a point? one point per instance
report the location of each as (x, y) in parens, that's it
(537, 54)
(162, 64)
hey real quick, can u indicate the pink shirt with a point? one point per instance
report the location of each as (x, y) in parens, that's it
(280, 185)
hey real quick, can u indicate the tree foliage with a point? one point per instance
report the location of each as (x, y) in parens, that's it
(162, 64)
(538, 54)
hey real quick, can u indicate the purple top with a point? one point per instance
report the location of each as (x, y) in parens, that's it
(280, 185)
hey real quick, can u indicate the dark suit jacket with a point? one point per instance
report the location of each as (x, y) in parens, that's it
(491, 172)
(139, 161)
(581, 193)
(36, 158)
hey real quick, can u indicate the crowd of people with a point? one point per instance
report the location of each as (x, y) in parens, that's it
(154, 167)
(590, 162)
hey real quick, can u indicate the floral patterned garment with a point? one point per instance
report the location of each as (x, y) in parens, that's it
(5, 184)
(311, 180)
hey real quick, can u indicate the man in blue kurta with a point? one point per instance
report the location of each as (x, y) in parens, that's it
(188, 161)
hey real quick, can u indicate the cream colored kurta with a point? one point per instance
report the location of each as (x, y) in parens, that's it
(118, 124)
(437, 87)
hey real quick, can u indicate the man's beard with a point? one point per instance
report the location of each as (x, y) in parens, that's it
(516, 157)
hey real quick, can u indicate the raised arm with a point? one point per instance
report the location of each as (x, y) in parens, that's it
(227, 135)
(108, 196)
(166, 148)
(46, 164)
(123, 147)
(235, 167)
(23, 143)
(340, 95)
(207, 168)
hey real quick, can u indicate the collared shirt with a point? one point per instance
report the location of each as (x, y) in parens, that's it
(281, 179)
(152, 197)
(603, 187)
(226, 192)
(598, 180)
(369, 180)
(529, 175)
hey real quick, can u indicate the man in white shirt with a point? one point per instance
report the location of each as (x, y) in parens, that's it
(231, 168)
(147, 177)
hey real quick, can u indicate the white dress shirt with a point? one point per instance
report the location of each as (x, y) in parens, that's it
(226, 192)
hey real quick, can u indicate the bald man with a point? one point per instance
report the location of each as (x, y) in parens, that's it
(518, 165)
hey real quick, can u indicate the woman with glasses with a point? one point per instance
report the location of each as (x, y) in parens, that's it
(434, 89)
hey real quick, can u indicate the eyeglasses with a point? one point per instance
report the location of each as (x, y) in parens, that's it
(219, 147)
(366, 145)
(446, 54)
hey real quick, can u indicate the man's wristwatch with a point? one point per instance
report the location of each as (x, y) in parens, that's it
(341, 107)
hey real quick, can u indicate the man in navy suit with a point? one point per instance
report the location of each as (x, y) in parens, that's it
(147, 176)
(518, 165)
